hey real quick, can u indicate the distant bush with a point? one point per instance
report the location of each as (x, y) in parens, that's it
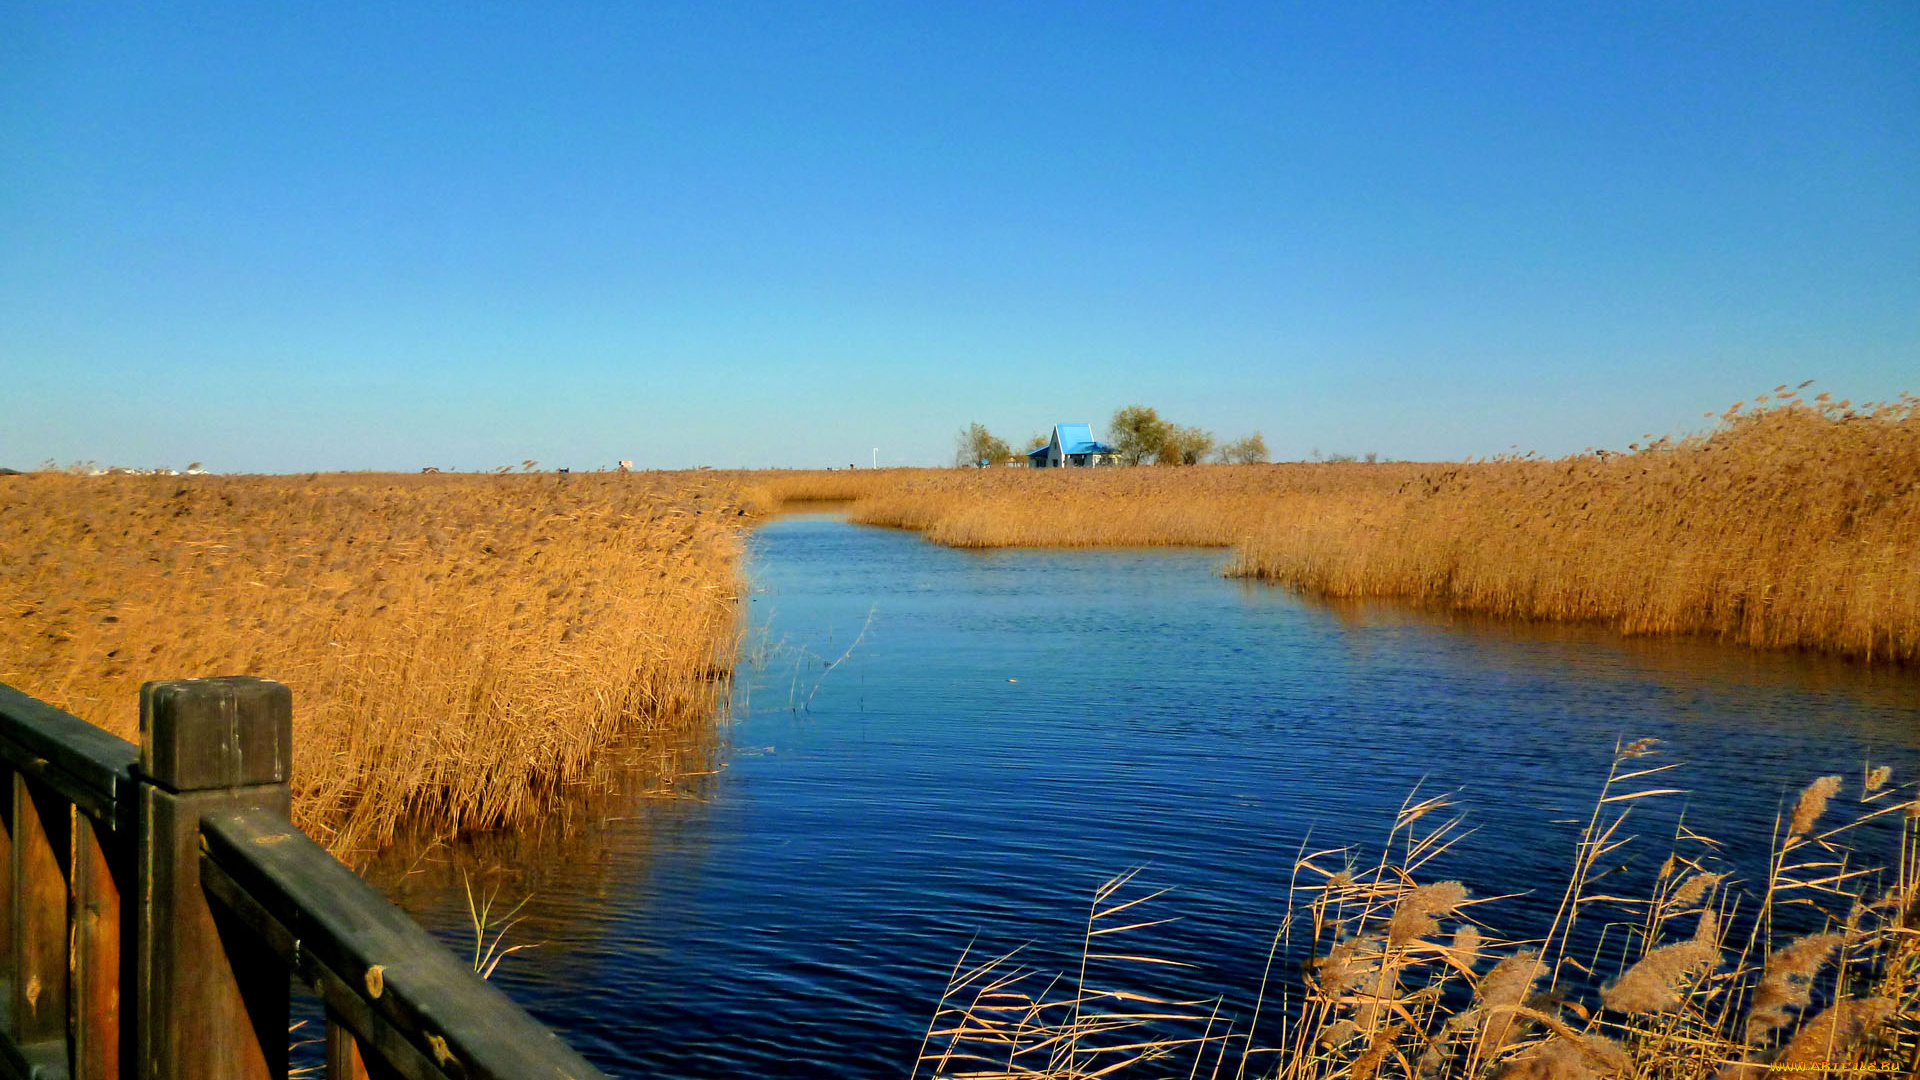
(1251, 450)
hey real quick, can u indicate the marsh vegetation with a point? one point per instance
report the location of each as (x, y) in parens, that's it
(1795, 524)
(1382, 968)
(461, 649)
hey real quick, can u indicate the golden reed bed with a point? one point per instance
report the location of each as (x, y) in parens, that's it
(459, 647)
(463, 647)
(1797, 525)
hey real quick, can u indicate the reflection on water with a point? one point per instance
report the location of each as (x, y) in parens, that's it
(1696, 661)
(567, 866)
(936, 744)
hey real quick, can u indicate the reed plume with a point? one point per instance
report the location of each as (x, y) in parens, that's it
(1466, 944)
(1418, 912)
(1368, 1063)
(1811, 804)
(1693, 890)
(1494, 1016)
(1834, 1034)
(1659, 982)
(1787, 984)
(1569, 1057)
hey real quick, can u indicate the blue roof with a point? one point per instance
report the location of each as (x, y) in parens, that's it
(1078, 439)
(1074, 439)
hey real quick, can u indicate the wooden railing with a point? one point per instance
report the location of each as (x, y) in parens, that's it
(158, 904)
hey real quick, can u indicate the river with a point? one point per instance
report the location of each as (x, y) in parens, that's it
(931, 747)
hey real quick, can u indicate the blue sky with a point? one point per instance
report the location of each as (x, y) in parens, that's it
(344, 236)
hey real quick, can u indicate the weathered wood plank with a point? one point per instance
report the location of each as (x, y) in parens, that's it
(345, 998)
(344, 1060)
(211, 1002)
(90, 801)
(399, 980)
(38, 874)
(98, 966)
(207, 734)
(205, 1008)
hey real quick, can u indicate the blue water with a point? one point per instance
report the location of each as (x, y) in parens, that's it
(931, 745)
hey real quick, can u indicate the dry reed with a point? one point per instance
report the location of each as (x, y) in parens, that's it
(1793, 526)
(460, 648)
(1796, 525)
(1210, 506)
(1380, 998)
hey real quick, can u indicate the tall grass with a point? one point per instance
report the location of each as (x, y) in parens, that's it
(1382, 968)
(1791, 526)
(461, 648)
(1796, 525)
(1213, 506)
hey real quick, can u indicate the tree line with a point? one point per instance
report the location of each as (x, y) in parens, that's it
(1139, 436)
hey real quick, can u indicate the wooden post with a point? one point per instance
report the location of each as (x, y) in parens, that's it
(212, 1004)
(344, 1060)
(347, 1061)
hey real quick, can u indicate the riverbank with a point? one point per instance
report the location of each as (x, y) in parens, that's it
(460, 647)
(1795, 526)
(1012, 727)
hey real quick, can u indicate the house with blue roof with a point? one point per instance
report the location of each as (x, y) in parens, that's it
(1072, 445)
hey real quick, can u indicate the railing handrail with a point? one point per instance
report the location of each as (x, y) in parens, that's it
(168, 876)
(90, 767)
(382, 976)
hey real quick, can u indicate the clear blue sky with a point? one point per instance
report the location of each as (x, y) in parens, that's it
(277, 237)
